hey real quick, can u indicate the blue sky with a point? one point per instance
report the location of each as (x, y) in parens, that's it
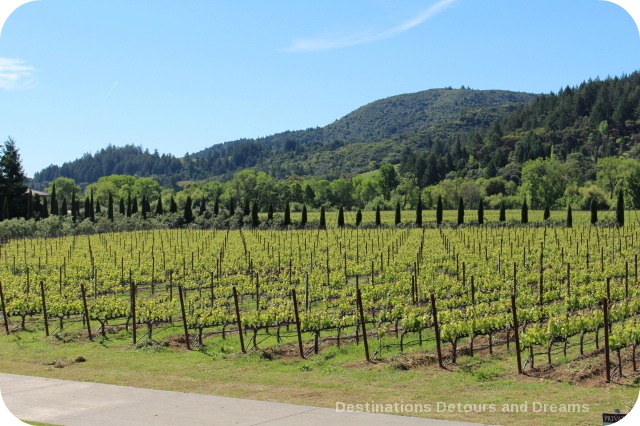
(77, 75)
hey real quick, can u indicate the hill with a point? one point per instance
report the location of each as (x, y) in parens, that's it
(375, 133)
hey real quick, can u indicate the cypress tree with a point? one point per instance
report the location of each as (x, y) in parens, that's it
(340, 218)
(159, 209)
(378, 218)
(63, 208)
(203, 206)
(134, 205)
(121, 207)
(547, 213)
(98, 208)
(129, 205)
(173, 206)
(92, 212)
(110, 207)
(247, 208)
(87, 208)
(460, 211)
(358, 217)
(503, 212)
(594, 211)
(255, 220)
(188, 212)
(232, 207)
(270, 213)
(216, 206)
(303, 219)
(524, 214)
(45, 209)
(481, 212)
(143, 204)
(323, 220)
(287, 215)
(74, 213)
(439, 209)
(620, 209)
(569, 217)
(398, 214)
(54, 202)
(419, 211)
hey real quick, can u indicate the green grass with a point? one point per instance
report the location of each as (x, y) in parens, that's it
(335, 374)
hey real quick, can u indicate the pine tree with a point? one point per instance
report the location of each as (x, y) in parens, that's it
(303, 218)
(64, 209)
(341, 217)
(398, 214)
(323, 220)
(569, 217)
(54, 202)
(203, 206)
(12, 179)
(110, 207)
(594, 211)
(503, 212)
(173, 206)
(358, 217)
(255, 220)
(378, 218)
(620, 209)
(524, 213)
(159, 209)
(547, 213)
(419, 211)
(287, 215)
(481, 212)
(439, 211)
(460, 211)
(188, 212)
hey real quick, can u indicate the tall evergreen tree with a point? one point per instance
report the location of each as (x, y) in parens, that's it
(620, 209)
(287, 215)
(74, 212)
(439, 211)
(255, 219)
(481, 212)
(203, 206)
(270, 213)
(134, 205)
(159, 209)
(503, 212)
(12, 179)
(569, 217)
(378, 218)
(110, 207)
(524, 213)
(29, 205)
(143, 207)
(173, 206)
(37, 207)
(92, 213)
(121, 208)
(323, 219)
(341, 217)
(232, 207)
(398, 214)
(460, 211)
(547, 213)
(358, 217)
(129, 205)
(303, 218)
(216, 206)
(5, 209)
(87, 208)
(419, 211)
(247, 208)
(45, 209)
(594, 211)
(188, 212)
(54, 202)
(98, 208)
(64, 209)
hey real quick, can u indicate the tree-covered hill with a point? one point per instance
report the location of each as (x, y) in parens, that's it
(373, 134)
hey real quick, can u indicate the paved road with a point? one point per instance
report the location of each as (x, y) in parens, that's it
(64, 402)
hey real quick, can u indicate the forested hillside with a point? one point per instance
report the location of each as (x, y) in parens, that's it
(373, 134)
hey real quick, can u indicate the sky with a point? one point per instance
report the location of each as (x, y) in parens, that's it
(179, 76)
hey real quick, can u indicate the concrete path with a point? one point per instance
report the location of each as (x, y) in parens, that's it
(64, 402)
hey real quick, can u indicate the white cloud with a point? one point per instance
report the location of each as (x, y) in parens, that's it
(15, 74)
(337, 42)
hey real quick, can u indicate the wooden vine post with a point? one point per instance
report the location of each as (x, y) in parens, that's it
(364, 328)
(184, 318)
(238, 320)
(86, 310)
(516, 332)
(605, 307)
(44, 309)
(436, 326)
(297, 314)
(4, 311)
(132, 291)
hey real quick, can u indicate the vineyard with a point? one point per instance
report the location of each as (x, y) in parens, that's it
(537, 292)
